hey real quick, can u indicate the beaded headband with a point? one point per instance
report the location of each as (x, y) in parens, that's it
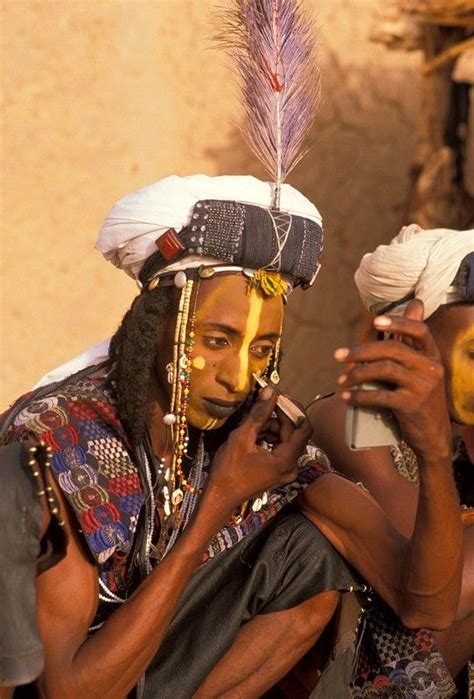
(245, 235)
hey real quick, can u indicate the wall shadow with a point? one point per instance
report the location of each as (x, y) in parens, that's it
(357, 173)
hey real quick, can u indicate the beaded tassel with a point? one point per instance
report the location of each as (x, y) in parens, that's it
(175, 380)
(177, 483)
(182, 358)
(195, 484)
(39, 457)
(179, 493)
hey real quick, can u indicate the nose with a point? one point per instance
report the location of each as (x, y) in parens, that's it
(234, 373)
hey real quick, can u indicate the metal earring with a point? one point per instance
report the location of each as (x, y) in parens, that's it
(275, 376)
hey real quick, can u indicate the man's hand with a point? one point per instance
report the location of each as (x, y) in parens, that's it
(241, 468)
(411, 365)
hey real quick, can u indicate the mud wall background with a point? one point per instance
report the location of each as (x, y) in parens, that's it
(102, 97)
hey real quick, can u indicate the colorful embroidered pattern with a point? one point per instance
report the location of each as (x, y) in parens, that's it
(396, 663)
(93, 467)
(312, 465)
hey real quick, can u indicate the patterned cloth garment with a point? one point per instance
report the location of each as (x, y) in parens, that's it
(399, 663)
(93, 467)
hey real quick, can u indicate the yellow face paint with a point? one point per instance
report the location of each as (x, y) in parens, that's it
(210, 424)
(462, 376)
(229, 318)
(251, 329)
(198, 362)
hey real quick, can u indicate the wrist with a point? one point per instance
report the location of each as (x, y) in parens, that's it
(212, 512)
(434, 452)
(434, 463)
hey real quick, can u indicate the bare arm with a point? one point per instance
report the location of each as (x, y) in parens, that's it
(420, 583)
(374, 468)
(419, 577)
(109, 664)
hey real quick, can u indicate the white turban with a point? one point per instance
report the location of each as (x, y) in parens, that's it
(128, 235)
(417, 263)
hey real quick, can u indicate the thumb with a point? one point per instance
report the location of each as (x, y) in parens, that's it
(261, 411)
(414, 310)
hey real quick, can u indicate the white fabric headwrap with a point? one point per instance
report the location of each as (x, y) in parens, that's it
(128, 235)
(419, 262)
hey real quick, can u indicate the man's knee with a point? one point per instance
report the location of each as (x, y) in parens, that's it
(310, 617)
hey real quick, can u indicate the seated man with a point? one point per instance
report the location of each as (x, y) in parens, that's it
(186, 561)
(438, 268)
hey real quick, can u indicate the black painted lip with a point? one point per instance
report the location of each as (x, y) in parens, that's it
(221, 408)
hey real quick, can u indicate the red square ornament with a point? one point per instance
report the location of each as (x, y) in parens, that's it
(169, 244)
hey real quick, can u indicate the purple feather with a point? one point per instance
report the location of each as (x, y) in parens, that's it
(272, 44)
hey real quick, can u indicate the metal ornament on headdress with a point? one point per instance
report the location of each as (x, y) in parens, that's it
(272, 45)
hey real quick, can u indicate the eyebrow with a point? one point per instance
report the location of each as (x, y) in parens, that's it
(229, 330)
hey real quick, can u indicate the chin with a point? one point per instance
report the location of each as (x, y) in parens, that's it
(465, 418)
(205, 422)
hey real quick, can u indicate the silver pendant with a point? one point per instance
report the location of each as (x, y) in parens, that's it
(275, 376)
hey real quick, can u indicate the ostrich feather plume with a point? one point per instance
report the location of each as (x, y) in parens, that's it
(272, 44)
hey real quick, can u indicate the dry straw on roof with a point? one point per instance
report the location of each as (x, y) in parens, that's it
(445, 12)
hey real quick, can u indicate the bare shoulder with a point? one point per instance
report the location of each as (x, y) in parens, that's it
(374, 468)
(346, 514)
(340, 501)
(327, 415)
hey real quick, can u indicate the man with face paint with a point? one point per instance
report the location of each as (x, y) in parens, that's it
(186, 561)
(436, 267)
(155, 484)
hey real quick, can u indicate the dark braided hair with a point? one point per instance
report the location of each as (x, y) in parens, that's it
(464, 279)
(132, 353)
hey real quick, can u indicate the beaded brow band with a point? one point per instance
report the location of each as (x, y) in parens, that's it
(244, 235)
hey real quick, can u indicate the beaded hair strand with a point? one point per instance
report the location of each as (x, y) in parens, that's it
(180, 487)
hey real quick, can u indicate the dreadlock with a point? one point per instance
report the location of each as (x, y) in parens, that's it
(464, 279)
(132, 353)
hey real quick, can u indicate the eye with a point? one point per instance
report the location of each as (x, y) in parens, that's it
(468, 350)
(215, 342)
(261, 351)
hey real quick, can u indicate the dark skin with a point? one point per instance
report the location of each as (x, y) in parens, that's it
(110, 663)
(375, 469)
